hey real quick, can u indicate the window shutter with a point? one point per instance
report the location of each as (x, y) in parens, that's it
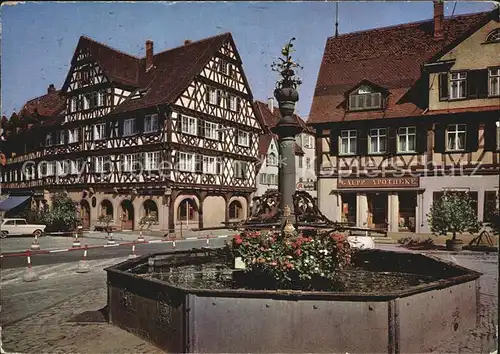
(421, 143)
(392, 140)
(439, 138)
(177, 160)
(120, 127)
(219, 98)
(198, 163)
(219, 133)
(471, 137)
(482, 83)
(472, 83)
(207, 96)
(178, 126)
(490, 136)
(201, 128)
(334, 142)
(108, 129)
(218, 166)
(362, 142)
(236, 136)
(139, 124)
(443, 86)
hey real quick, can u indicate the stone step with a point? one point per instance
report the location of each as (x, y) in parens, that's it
(384, 240)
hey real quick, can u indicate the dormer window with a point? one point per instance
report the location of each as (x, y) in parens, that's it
(493, 36)
(364, 98)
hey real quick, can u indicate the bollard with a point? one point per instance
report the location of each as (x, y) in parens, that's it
(83, 266)
(76, 241)
(140, 238)
(173, 243)
(208, 240)
(29, 275)
(133, 255)
(35, 245)
(110, 239)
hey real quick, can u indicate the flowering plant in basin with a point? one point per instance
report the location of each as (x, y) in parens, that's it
(308, 260)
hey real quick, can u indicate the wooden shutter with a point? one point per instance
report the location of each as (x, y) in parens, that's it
(109, 126)
(220, 132)
(120, 127)
(471, 137)
(482, 83)
(439, 138)
(443, 86)
(472, 87)
(201, 128)
(219, 98)
(198, 163)
(178, 126)
(218, 165)
(139, 124)
(334, 142)
(362, 148)
(392, 141)
(490, 136)
(421, 138)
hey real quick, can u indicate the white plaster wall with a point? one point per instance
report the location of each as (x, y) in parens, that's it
(327, 199)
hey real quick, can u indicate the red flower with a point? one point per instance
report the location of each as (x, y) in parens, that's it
(298, 252)
(238, 241)
(289, 265)
(337, 237)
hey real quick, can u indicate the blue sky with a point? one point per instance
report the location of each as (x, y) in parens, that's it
(38, 39)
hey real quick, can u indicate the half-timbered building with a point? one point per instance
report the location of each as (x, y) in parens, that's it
(171, 135)
(404, 113)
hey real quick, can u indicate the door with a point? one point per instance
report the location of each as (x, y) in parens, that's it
(377, 210)
(127, 215)
(85, 214)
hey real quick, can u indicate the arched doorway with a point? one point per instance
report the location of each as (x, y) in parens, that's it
(235, 210)
(127, 215)
(106, 208)
(85, 214)
(150, 209)
(187, 211)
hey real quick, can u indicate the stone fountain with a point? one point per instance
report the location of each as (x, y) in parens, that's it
(191, 301)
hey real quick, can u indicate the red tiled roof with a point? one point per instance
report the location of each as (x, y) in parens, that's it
(390, 57)
(48, 105)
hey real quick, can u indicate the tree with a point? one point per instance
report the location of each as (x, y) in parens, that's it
(62, 215)
(453, 213)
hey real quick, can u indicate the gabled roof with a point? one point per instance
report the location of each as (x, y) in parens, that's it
(391, 57)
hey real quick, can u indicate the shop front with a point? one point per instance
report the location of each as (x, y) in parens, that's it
(389, 204)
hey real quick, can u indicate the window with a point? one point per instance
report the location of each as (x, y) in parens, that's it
(50, 168)
(100, 131)
(72, 104)
(494, 82)
(498, 134)
(378, 140)
(62, 137)
(63, 167)
(102, 164)
(151, 123)
(131, 162)
(75, 168)
(243, 138)
(211, 130)
(235, 210)
(455, 137)
(458, 84)
(271, 159)
(48, 140)
(101, 98)
(300, 161)
(129, 127)
(87, 101)
(214, 96)
(407, 139)
(240, 169)
(209, 164)
(493, 36)
(262, 178)
(93, 99)
(73, 135)
(348, 142)
(152, 160)
(223, 66)
(308, 163)
(490, 202)
(189, 125)
(365, 98)
(231, 103)
(272, 179)
(85, 74)
(186, 162)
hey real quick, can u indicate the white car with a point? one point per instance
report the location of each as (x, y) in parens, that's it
(18, 227)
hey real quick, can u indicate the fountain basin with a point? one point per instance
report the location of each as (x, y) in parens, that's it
(183, 318)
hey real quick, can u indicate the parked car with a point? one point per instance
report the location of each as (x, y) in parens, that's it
(18, 227)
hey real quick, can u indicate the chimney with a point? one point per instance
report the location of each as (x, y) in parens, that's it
(438, 19)
(149, 54)
(51, 88)
(187, 41)
(270, 104)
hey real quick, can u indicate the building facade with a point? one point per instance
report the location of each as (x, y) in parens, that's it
(171, 135)
(403, 114)
(267, 177)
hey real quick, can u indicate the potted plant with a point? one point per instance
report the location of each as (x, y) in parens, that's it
(453, 213)
(106, 220)
(148, 220)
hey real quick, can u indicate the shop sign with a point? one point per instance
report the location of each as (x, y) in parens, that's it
(305, 186)
(389, 182)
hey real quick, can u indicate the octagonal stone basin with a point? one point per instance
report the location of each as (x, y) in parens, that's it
(181, 303)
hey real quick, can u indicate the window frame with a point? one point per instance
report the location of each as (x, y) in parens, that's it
(349, 137)
(103, 136)
(129, 161)
(239, 172)
(48, 140)
(149, 158)
(184, 166)
(209, 161)
(353, 100)
(242, 142)
(271, 161)
(71, 135)
(461, 81)
(152, 128)
(493, 33)
(99, 167)
(456, 133)
(378, 137)
(495, 77)
(189, 125)
(209, 127)
(407, 135)
(127, 123)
